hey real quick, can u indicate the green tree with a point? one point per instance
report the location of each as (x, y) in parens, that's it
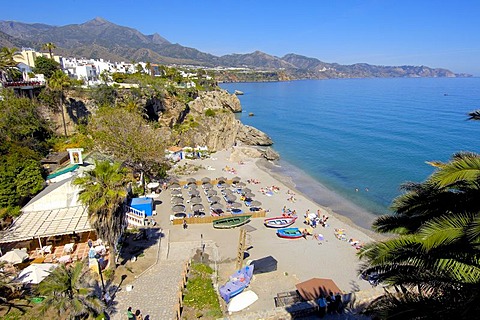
(104, 191)
(7, 62)
(69, 294)
(58, 82)
(45, 66)
(129, 138)
(104, 95)
(49, 46)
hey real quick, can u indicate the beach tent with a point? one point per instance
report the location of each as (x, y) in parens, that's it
(36, 272)
(143, 204)
(15, 256)
(313, 288)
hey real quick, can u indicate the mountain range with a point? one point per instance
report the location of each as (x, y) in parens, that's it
(99, 38)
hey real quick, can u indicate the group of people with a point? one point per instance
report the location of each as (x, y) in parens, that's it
(330, 304)
(134, 316)
(313, 219)
(253, 181)
(229, 170)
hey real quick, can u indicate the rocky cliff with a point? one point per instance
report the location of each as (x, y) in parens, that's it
(208, 120)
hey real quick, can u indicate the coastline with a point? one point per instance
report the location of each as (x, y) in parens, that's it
(336, 205)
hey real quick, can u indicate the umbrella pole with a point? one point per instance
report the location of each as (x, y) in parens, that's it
(40, 242)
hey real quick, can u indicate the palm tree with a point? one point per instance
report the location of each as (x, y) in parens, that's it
(434, 263)
(49, 46)
(104, 190)
(10, 290)
(58, 82)
(70, 293)
(7, 62)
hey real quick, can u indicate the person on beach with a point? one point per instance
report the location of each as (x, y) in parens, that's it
(138, 315)
(185, 225)
(130, 314)
(322, 306)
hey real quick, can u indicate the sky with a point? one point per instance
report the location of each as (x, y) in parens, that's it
(434, 33)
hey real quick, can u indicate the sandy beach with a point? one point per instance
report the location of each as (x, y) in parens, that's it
(298, 260)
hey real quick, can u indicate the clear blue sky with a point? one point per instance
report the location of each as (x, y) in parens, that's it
(435, 33)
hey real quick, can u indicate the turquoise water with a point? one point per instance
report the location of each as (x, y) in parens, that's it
(369, 135)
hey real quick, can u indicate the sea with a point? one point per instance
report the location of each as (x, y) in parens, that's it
(349, 144)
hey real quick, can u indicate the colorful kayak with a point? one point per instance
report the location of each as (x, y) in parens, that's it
(237, 283)
(230, 222)
(289, 233)
(279, 222)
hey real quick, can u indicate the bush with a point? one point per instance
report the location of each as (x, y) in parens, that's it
(210, 113)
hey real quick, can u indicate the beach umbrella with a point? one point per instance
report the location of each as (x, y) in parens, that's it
(180, 215)
(15, 256)
(227, 191)
(236, 179)
(312, 289)
(177, 200)
(236, 205)
(214, 199)
(230, 197)
(197, 207)
(194, 193)
(178, 208)
(192, 186)
(199, 213)
(211, 193)
(216, 206)
(191, 181)
(176, 193)
(206, 180)
(255, 203)
(249, 195)
(36, 272)
(241, 184)
(153, 185)
(174, 186)
(221, 179)
(195, 200)
(245, 190)
(207, 186)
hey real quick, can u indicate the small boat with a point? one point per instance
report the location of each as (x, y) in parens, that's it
(279, 222)
(238, 92)
(289, 233)
(237, 283)
(242, 301)
(230, 222)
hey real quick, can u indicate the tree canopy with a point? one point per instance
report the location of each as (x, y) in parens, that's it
(46, 66)
(129, 138)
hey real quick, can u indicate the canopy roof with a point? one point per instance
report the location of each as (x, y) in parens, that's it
(48, 223)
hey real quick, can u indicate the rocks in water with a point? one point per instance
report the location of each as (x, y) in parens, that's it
(251, 114)
(252, 136)
(270, 154)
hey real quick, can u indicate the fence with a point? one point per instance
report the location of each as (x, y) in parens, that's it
(210, 219)
(182, 284)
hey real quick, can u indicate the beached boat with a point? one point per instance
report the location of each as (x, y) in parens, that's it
(279, 222)
(231, 222)
(237, 283)
(242, 301)
(289, 233)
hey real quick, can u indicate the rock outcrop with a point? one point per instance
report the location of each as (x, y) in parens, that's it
(252, 136)
(270, 154)
(214, 100)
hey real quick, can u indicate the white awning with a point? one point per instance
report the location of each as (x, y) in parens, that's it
(35, 224)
